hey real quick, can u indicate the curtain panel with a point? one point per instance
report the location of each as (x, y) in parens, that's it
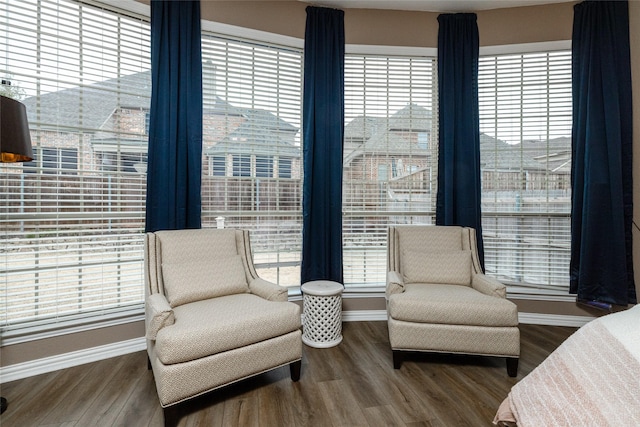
(323, 131)
(175, 123)
(601, 266)
(459, 186)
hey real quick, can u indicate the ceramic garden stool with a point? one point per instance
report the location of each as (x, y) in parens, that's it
(322, 308)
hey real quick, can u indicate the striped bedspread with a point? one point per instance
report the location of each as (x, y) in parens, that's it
(592, 379)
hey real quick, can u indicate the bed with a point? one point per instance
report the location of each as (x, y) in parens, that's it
(592, 379)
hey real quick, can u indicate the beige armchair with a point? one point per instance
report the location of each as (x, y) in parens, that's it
(210, 320)
(439, 300)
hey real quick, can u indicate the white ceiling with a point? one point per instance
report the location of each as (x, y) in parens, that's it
(430, 5)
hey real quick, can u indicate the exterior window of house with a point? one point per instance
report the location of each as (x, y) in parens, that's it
(383, 172)
(264, 167)
(63, 160)
(284, 168)
(147, 120)
(124, 162)
(54, 161)
(72, 230)
(219, 165)
(525, 151)
(242, 165)
(390, 101)
(133, 162)
(252, 108)
(423, 140)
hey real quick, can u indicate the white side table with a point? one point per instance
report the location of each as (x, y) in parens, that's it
(322, 308)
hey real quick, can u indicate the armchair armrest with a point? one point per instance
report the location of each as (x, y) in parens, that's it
(488, 286)
(268, 290)
(158, 314)
(395, 284)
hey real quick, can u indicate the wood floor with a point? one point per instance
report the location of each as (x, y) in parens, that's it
(353, 384)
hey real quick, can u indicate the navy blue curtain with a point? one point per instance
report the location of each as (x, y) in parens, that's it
(601, 267)
(459, 187)
(323, 130)
(175, 122)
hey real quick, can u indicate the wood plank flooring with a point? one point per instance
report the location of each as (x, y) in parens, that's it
(353, 384)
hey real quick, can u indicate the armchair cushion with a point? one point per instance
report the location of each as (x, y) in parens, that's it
(212, 326)
(445, 268)
(158, 314)
(452, 305)
(187, 282)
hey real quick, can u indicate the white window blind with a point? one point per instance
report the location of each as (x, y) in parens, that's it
(525, 145)
(390, 157)
(251, 155)
(72, 219)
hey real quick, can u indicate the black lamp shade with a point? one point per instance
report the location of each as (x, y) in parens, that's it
(15, 140)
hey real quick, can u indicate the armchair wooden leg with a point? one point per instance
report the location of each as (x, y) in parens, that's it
(397, 359)
(171, 415)
(512, 366)
(295, 367)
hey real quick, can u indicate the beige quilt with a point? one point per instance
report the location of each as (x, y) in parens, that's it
(592, 379)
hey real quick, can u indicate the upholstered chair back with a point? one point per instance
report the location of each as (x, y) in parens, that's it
(191, 265)
(430, 254)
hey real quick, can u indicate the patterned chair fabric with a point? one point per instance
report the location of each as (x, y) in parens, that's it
(210, 320)
(439, 300)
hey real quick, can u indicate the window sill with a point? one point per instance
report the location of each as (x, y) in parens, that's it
(84, 323)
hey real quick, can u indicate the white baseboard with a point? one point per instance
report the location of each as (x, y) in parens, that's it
(554, 319)
(94, 354)
(364, 315)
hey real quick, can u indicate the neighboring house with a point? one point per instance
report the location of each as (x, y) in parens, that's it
(389, 157)
(521, 179)
(389, 166)
(255, 167)
(515, 168)
(380, 149)
(100, 130)
(90, 143)
(555, 154)
(261, 146)
(92, 128)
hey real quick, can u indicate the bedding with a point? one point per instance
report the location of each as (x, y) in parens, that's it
(592, 379)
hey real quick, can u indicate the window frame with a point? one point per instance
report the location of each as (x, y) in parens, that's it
(378, 285)
(61, 157)
(255, 197)
(524, 290)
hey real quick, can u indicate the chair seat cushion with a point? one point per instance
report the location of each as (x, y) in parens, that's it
(452, 305)
(212, 326)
